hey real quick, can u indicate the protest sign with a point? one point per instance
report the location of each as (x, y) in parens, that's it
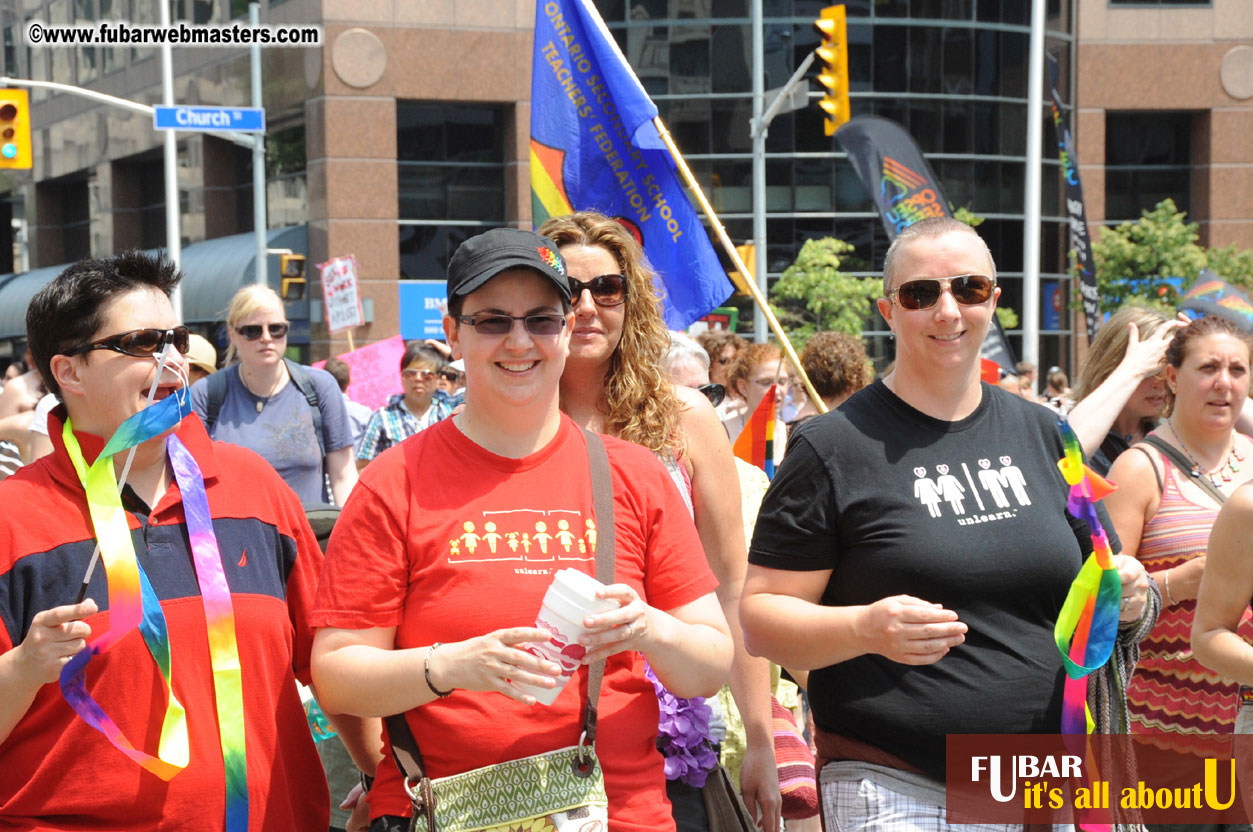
(340, 300)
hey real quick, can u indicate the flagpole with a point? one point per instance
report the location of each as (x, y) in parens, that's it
(738, 276)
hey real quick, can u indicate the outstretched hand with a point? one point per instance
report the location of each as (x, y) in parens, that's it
(909, 630)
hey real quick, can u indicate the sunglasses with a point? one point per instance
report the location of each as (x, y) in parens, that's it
(607, 290)
(714, 392)
(547, 325)
(252, 332)
(967, 289)
(139, 343)
(421, 375)
(450, 375)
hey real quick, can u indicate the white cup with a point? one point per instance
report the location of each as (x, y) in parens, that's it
(570, 598)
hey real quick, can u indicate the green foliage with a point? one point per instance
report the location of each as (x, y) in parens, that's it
(967, 216)
(1007, 316)
(1232, 265)
(1135, 259)
(813, 295)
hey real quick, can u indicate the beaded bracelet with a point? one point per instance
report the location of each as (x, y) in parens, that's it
(1169, 597)
(426, 667)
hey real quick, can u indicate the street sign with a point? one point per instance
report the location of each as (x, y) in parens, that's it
(209, 119)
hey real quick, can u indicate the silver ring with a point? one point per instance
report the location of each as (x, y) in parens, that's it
(630, 630)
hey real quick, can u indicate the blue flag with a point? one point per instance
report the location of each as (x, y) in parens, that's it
(595, 147)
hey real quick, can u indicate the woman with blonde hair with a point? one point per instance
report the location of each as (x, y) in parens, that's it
(265, 402)
(614, 383)
(1121, 389)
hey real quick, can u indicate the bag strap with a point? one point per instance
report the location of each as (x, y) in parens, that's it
(405, 746)
(1187, 466)
(305, 385)
(217, 385)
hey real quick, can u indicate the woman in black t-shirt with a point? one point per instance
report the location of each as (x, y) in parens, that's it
(914, 550)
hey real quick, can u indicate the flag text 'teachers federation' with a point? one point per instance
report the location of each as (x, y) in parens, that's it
(595, 146)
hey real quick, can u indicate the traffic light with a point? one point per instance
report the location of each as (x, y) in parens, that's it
(14, 129)
(748, 253)
(292, 270)
(833, 52)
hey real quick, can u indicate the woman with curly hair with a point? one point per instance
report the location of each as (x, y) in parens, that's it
(614, 383)
(837, 366)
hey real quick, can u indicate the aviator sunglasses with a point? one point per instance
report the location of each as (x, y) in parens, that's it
(607, 290)
(494, 324)
(252, 332)
(139, 343)
(967, 289)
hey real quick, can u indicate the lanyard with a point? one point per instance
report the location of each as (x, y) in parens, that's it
(133, 604)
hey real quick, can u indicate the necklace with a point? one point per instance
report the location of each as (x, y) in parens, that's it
(261, 401)
(1229, 466)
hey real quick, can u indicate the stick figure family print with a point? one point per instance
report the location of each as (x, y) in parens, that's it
(999, 483)
(525, 535)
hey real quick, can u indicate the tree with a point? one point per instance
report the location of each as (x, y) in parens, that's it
(813, 295)
(1157, 258)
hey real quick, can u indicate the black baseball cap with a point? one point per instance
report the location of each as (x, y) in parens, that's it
(486, 255)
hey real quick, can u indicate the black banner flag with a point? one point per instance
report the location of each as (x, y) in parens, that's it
(1080, 244)
(905, 190)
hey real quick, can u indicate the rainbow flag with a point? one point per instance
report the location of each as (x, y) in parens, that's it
(755, 444)
(595, 147)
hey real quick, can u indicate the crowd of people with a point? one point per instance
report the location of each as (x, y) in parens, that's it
(905, 567)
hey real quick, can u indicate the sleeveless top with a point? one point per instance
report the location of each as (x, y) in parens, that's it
(1170, 690)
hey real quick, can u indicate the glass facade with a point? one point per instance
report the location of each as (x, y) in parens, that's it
(952, 72)
(1148, 158)
(451, 180)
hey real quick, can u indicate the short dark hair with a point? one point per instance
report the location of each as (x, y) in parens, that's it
(340, 370)
(416, 350)
(69, 310)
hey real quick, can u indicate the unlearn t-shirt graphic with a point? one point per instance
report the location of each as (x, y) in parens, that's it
(994, 490)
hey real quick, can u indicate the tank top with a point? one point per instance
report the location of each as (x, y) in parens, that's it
(1170, 690)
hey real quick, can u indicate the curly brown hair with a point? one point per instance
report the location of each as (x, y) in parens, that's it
(749, 359)
(836, 363)
(640, 403)
(716, 340)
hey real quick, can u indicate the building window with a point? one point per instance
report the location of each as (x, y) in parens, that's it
(1161, 2)
(451, 169)
(1148, 158)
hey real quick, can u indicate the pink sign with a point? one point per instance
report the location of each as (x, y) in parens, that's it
(375, 371)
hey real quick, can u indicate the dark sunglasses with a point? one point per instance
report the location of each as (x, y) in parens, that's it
(607, 290)
(547, 325)
(420, 375)
(139, 343)
(252, 332)
(450, 375)
(714, 392)
(967, 289)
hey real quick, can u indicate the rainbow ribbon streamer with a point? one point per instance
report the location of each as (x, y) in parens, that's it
(1087, 625)
(134, 605)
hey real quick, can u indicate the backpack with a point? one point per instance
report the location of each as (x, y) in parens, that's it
(217, 384)
(217, 395)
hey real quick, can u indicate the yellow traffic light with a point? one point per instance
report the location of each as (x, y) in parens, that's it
(291, 268)
(833, 52)
(14, 129)
(748, 253)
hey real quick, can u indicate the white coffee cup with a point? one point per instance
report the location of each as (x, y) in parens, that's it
(570, 598)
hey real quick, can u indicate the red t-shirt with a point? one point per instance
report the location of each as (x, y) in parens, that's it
(57, 772)
(446, 541)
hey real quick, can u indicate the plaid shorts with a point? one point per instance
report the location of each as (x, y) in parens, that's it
(859, 804)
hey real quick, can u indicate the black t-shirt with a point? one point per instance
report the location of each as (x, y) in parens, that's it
(969, 514)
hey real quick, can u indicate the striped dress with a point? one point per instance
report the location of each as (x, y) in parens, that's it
(1170, 690)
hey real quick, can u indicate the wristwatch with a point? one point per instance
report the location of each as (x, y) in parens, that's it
(367, 781)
